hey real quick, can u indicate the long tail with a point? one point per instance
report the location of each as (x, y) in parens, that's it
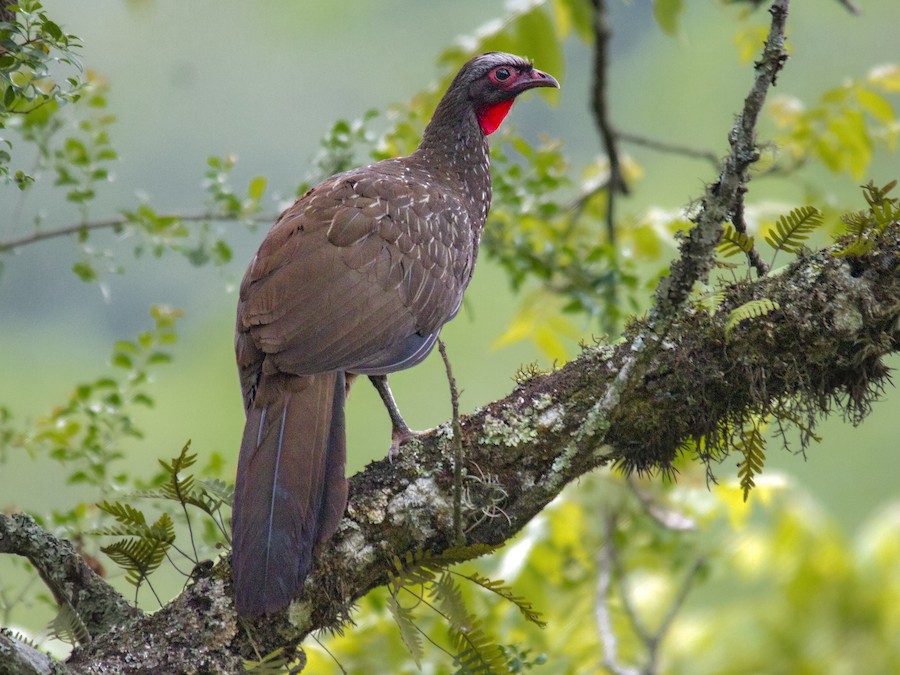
(291, 491)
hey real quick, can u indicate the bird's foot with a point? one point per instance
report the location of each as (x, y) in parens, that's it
(399, 436)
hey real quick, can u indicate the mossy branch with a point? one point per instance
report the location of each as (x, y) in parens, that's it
(822, 353)
(68, 577)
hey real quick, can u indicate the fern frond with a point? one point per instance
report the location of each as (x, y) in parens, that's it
(734, 242)
(273, 662)
(68, 626)
(412, 570)
(409, 632)
(216, 492)
(476, 653)
(712, 301)
(126, 515)
(143, 554)
(500, 588)
(449, 598)
(749, 310)
(865, 226)
(857, 222)
(179, 488)
(794, 229)
(752, 445)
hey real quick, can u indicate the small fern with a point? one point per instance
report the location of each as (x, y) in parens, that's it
(792, 230)
(208, 495)
(505, 592)
(865, 226)
(272, 663)
(474, 650)
(68, 626)
(749, 310)
(753, 447)
(711, 301)
(734, 242)
(144, 551)
(409, 631)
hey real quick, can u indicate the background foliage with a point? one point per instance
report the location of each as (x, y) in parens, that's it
(615, 565)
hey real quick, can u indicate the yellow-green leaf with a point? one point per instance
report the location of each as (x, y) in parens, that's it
(667, 13)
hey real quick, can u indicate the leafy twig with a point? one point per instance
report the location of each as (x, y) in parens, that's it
(670, 148)
(121, 221)
(724, 198)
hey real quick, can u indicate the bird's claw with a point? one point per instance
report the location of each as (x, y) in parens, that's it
(398, 438)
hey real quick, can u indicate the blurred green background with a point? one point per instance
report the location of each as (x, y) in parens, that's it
(265, 81)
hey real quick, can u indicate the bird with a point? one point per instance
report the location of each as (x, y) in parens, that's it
(356, 278)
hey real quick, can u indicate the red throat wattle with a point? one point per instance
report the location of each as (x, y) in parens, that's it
(490, 117)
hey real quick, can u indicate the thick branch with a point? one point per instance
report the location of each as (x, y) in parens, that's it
(821, 353)
(18, 658)
(65, 573)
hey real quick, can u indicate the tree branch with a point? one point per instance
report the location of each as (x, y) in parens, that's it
(66, 574)
(616, 184)
(820, 354)
(119, 222)
(724, 198)
(670, 148)
(19, 658)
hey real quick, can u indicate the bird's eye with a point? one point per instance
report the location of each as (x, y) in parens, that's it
(502, 74)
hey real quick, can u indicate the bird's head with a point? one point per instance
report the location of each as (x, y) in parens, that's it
(493, 80)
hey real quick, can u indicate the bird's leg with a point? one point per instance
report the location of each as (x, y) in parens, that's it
(400, 432)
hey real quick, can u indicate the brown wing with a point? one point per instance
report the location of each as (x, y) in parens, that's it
(356, 274)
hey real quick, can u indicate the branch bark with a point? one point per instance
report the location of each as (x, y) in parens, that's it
(822, 353)
(68, 577)
(637, 404)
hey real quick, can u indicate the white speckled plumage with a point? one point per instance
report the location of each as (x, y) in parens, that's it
(357, 277)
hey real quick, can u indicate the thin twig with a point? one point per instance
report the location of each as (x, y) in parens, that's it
(120, 221)
(669, 148)
(760, 265)
(601, 608)
(600, 107)
(459, 533)
(663, 629)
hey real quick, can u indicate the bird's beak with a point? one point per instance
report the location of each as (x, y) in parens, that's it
(536, 78)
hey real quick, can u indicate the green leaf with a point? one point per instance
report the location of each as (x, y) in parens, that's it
(876, 105)
(753, 447)
(792, 230)
(668, 13)
(85, 271)
(409, 633)
(52, 29)
(505, 592)
(68, 626)
(257, 188)
(749, 310)
(734, 242)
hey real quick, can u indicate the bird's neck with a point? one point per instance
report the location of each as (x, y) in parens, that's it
(455, 147)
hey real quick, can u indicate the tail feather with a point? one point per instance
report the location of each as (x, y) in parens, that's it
(291, 491)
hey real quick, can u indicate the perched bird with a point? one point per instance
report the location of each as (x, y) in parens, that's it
(357, 277)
